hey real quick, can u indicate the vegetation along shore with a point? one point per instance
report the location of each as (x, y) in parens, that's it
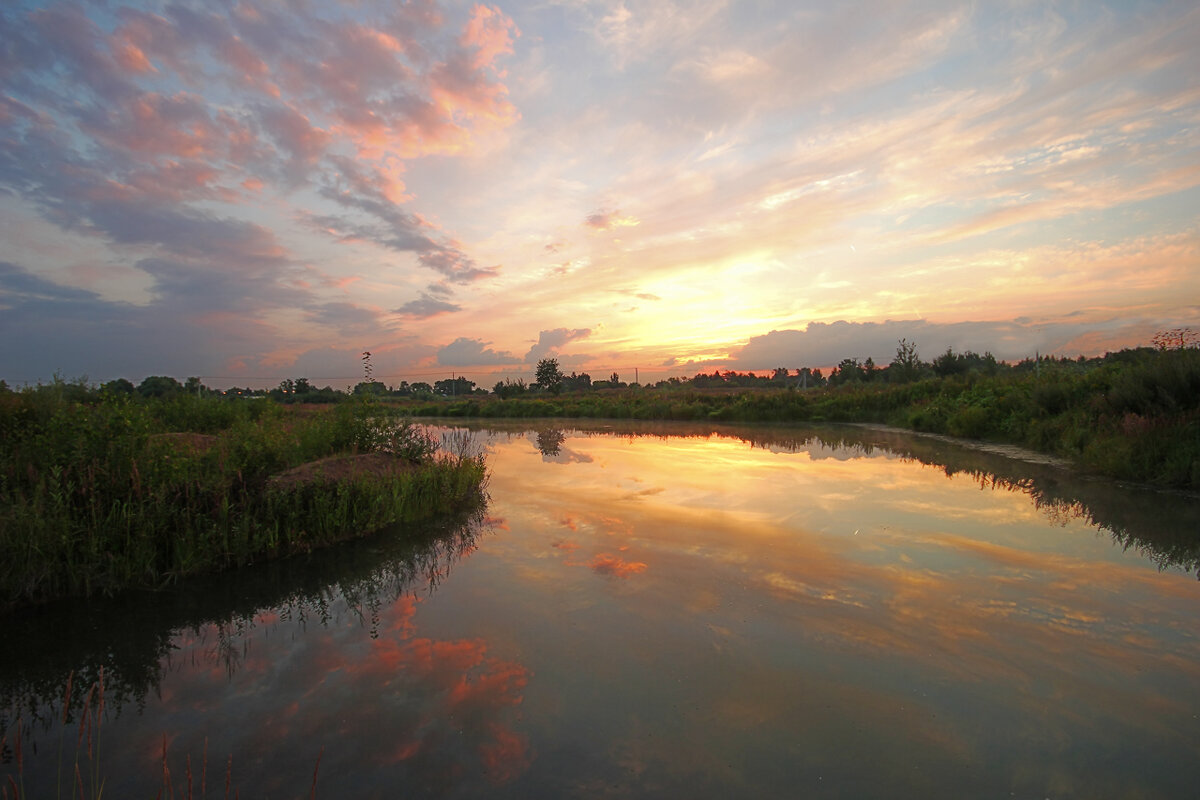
(118, 486)
(1132, 415)
(102, 490)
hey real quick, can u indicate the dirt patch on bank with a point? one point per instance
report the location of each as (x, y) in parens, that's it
(344, 467)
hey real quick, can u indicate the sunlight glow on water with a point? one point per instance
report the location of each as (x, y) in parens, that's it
(651, 616)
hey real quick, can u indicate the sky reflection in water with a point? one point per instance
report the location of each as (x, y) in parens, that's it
(694, 616)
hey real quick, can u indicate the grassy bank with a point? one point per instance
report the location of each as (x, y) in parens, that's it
(100, 492)
(1134, 418)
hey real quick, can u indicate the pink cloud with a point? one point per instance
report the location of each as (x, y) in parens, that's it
(178, 125)
(490, 34)
(130, 57)
(153, 36)
(240, 56)
(178, 181)
(295, 132)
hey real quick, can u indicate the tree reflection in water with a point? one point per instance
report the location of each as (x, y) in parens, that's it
(1136, 518)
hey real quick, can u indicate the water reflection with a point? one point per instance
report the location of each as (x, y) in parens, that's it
(270, 664)
(684, 611)
(1136, 517)
(549, 441)
(820, 612)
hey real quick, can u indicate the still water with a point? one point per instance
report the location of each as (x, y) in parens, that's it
(665, 611)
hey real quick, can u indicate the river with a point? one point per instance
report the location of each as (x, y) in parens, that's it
(662, 611)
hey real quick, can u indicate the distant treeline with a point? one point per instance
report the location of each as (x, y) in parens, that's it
(905, 367)
(1132, 415)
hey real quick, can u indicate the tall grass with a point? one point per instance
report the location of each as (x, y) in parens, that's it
(103, 492)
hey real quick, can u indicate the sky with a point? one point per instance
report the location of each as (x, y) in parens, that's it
(254, 190)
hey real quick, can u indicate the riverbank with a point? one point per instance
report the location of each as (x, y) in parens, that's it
(100, 493)
(1136, 419)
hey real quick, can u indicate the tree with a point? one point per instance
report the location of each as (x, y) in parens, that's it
(869, 369)
(549, 376)
(369, 388)
(159, 386)
(849, 370)
(906, 366)
(119, 386)
(509, 388)
(453, 386)
(575, 382)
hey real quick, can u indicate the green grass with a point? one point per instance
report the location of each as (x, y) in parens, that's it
(1134, 415)
(100, 493)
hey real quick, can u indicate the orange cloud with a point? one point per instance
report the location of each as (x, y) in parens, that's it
(608, 564)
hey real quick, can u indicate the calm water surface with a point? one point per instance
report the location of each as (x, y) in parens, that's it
(669, 612)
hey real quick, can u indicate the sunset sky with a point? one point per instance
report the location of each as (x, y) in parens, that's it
(256, 190)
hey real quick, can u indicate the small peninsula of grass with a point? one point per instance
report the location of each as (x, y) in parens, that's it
(101, 492)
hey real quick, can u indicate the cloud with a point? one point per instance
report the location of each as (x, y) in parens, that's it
(607, 220)
(828, 343)
(43, 325)
(551, 341)
(427, 307)
(18, 285)
(366, 191)
(464, 352)
(349, 319)
(145, 133)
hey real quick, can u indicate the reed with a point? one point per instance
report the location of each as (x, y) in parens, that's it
(104, 493)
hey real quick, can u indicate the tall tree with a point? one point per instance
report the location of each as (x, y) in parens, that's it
(549, 376)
